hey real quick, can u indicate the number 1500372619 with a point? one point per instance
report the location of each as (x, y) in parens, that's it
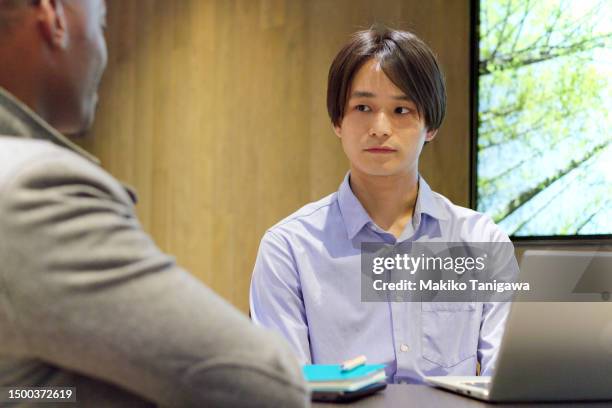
(38, 394)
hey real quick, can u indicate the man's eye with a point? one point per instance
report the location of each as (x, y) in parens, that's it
(402, 110)
(362, 108)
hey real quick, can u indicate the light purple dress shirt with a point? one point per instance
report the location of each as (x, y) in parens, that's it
(306, 285)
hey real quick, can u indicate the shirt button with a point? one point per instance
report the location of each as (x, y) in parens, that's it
(404, 348)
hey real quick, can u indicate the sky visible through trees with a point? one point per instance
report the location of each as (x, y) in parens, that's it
(544, 164)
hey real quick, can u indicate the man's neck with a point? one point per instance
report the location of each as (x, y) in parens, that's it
(18, 120)
(23, 85)
(388, 200)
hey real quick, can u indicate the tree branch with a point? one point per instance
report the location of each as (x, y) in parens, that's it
(588, 220)
(527, 57)
(527, 195)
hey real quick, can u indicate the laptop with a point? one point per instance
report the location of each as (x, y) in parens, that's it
(553, 350)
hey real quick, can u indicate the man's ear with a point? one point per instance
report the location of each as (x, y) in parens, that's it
(338, 131)
(52, 22)
(430, 135)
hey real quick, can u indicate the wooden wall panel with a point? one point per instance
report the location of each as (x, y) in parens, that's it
(215, 111)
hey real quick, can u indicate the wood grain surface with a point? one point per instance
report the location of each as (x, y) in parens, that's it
(215, 112)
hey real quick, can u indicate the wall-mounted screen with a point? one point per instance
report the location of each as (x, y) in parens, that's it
(542, 153)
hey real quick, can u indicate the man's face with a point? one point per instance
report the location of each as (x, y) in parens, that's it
(382, 133)
(84, 60)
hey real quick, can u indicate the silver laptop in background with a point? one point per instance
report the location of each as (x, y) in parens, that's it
(553, 351)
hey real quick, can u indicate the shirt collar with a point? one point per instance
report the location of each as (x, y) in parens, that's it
(428, 203)
(17, 120)
(355, 216)
(353, 213)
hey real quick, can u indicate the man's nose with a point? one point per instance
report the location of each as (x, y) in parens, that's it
(381, 126)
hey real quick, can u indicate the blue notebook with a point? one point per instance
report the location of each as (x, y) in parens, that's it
(333, 372)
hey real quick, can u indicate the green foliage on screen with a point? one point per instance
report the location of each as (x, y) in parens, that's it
(544, 161)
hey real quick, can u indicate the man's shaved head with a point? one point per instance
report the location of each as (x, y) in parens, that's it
(53, 54)
(9, 12)
(6, 5)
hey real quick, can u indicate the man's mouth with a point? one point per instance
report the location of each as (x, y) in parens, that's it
(380, 149)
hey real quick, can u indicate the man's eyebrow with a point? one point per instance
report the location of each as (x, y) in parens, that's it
(367, 94)
(402, 98)
(362, 94)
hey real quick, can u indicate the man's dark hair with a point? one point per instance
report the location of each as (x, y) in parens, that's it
(404, 58)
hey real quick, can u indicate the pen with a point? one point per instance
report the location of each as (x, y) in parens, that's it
(353, 363)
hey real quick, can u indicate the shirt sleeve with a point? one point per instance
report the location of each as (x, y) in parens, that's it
(491, 331)
(495, 314)
(88, 291)
(276, 297)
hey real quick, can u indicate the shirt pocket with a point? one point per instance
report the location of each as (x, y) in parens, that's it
(450, 332)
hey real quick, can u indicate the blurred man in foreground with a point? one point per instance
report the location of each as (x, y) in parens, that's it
(86, 298)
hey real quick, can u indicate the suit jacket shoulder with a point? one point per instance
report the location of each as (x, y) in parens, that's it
(88, 300)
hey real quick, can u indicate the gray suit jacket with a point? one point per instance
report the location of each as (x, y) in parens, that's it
(87, 300)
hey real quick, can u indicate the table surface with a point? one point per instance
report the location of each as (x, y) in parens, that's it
(407, 396)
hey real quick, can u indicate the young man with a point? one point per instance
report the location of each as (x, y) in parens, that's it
(86, 298)
(386, 99)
